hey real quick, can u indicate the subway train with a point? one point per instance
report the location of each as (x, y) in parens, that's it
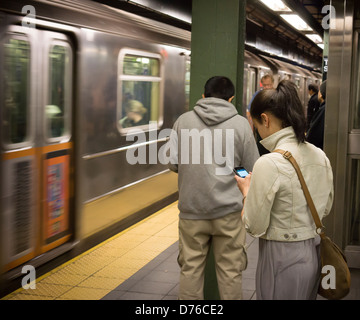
(79, 81)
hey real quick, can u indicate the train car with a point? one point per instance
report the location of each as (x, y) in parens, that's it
(258, 64)
(69, 73)
(81, 83)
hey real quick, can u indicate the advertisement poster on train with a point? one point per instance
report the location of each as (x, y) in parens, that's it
(56, 205)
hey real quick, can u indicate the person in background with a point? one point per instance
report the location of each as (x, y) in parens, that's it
(315, 134)
(313, 104)
(275, 209)
(210, 209)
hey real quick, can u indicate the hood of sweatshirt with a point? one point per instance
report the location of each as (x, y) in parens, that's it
(214, 110)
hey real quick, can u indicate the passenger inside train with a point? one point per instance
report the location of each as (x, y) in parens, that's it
(135, 112)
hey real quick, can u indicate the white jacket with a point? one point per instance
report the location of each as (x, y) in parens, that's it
(275, 206)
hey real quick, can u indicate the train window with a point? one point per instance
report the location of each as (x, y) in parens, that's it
(253, 81)
(58, 108)
(139, 101)
(16, 116)
(247, 85)
(135, 65)
(251, 87)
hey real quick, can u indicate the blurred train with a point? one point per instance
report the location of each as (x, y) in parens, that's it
(70, 73)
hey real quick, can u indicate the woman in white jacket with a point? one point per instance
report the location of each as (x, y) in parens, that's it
(275, 208)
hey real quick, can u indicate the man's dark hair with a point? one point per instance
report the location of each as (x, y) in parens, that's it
(313, 87)
(219, 87)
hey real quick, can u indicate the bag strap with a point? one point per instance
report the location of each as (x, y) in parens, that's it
(288, 156)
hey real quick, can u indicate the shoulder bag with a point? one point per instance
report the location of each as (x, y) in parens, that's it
(330, 253)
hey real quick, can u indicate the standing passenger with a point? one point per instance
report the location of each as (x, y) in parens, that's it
(313, 104)
(210, 209)
(315, 134)
(275, 207)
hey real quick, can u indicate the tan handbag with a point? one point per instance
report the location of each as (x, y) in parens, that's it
(330, 253)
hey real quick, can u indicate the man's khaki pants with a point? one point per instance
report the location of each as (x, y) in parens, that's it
(227, 235)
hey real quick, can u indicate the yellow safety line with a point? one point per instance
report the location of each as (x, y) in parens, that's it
(91, 250)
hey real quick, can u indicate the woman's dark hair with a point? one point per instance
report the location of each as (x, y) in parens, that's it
(219, 87)
(284, 103)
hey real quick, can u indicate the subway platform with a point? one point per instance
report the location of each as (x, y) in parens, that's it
(139, 263)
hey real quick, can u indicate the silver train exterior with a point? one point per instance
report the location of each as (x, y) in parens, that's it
(69, 73)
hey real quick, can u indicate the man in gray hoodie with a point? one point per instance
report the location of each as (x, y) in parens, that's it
(207, 143)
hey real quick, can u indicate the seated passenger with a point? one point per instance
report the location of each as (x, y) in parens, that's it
(275, 208)
(135, 111)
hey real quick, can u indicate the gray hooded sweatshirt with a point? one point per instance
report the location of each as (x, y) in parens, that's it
(206, 144)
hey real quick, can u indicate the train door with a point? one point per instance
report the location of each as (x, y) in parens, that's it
(36, 147)
(56, 146)
(250, 86)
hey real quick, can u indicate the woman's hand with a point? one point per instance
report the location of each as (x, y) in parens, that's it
(243, 184)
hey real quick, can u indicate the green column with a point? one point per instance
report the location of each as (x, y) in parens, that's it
(217, 48)
(325, 55)
(217, 45)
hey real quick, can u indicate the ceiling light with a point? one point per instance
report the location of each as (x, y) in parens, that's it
(276, 5)
(296, 22)
(315, 38)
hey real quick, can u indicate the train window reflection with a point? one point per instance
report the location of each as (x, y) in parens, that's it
(56, 108)
(139, 87)
(16, 116)
(136, 65)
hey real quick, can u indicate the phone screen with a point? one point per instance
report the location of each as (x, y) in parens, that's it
(241, 172)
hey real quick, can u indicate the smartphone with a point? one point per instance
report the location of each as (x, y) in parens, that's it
(240, 171)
